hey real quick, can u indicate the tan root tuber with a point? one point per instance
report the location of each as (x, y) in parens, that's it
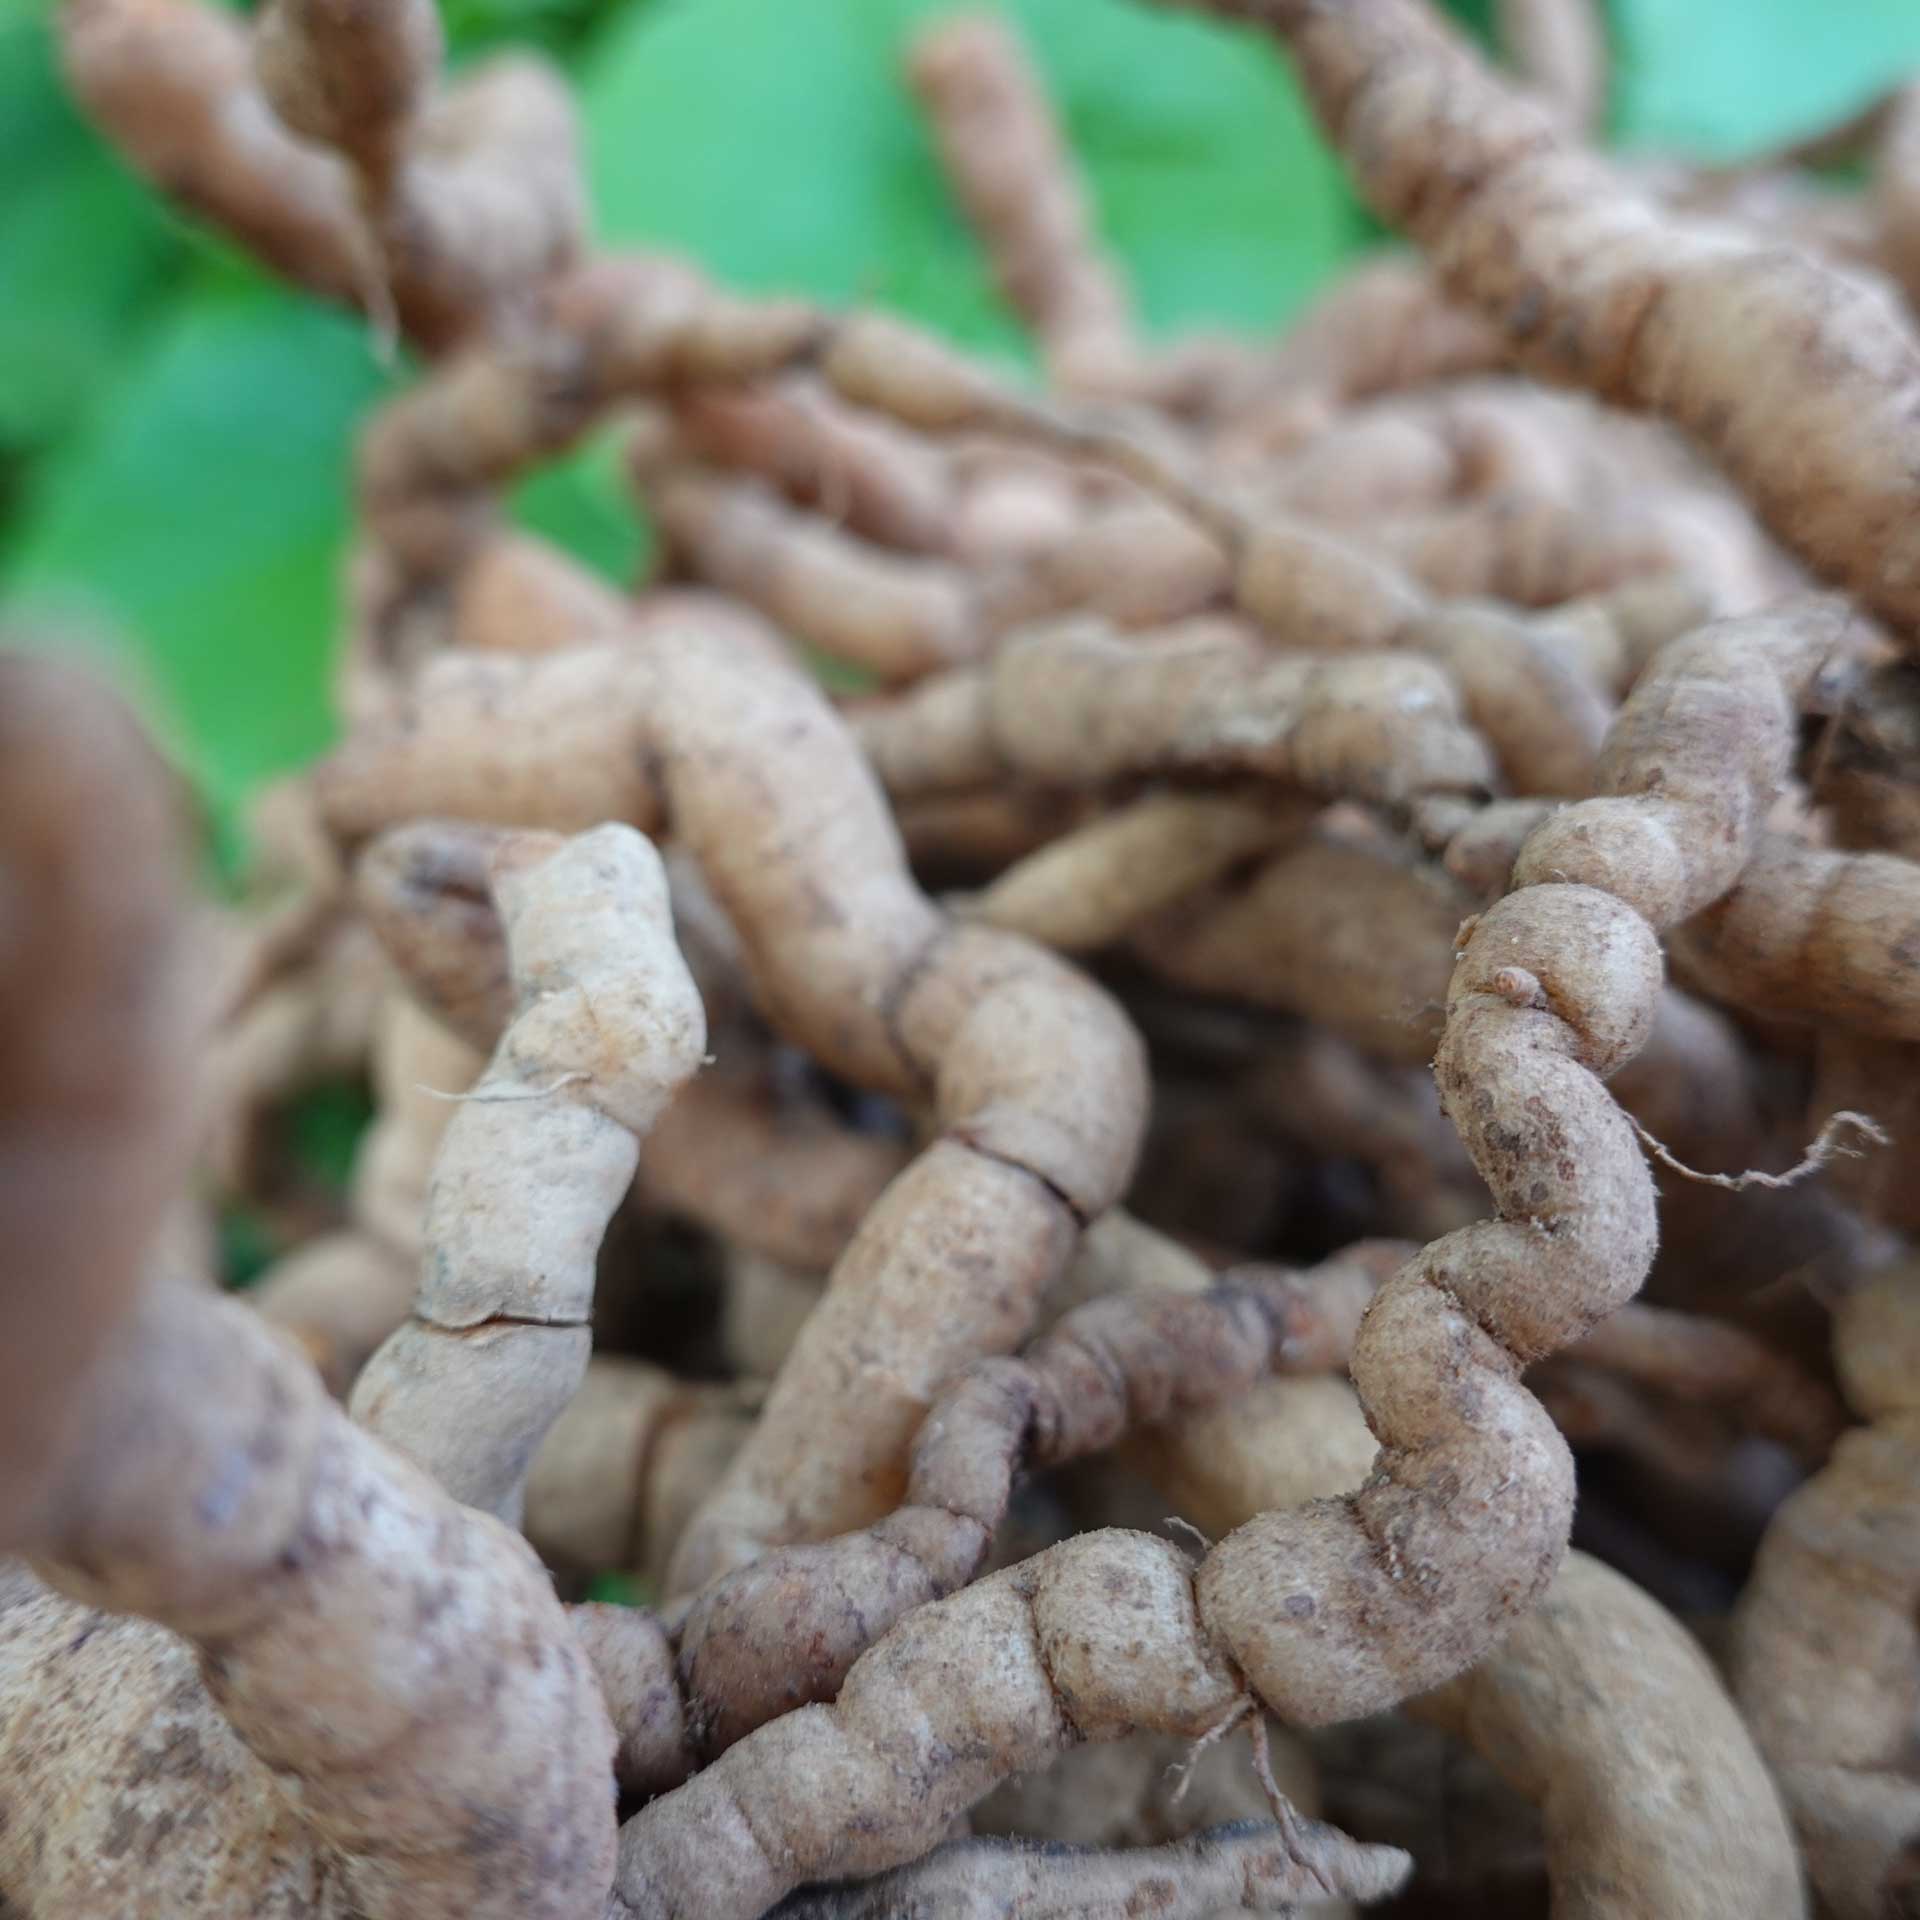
(606, 1027)
(1826, 1655)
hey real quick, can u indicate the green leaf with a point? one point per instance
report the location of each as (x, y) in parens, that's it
(83, 249)
(1726, 78)
(782, 150)
(203, 517)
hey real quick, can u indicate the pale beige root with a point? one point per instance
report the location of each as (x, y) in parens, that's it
(1747, 345)
(1466, 1521)
(1478, 845)
(1826, 1650)
(1700, 1361)
(764, 1306)
(1132, 561)
(1036, 1083)
(1086, 1641)
(418, 1733)
(314, 1024)
(1896, 192)
(1811, 934)
(786, 1630)
(898, 615)
(1383, 327)
(120, 1770)
(612, 329)
(1146, 1789)
(1349, 934)
(776, 1176)
(1089, 887)
(1327, 1097)
(1602, 1710)
(756, 1167)
(341, 1295)
(1010, 168)
(1559, 48)
(169, 82)
(1305, 586)
(1452, 442)
(1017, 506)
(1198, 700)
(977, 834)
(473, 194)
(350, 74)
(1556, 987)
(516, 595)
(1533, 551)
(626, 328)
(491, 200)
(868, 475)
(623, 1467)
(1281, 1444)
(98, 996)
(1245, 1868)
(423, 889)
(607, 1026)
(1612, 637)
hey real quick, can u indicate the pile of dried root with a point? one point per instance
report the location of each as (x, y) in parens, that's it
(1108, 1169)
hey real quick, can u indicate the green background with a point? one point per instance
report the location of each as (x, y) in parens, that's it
(174, 428)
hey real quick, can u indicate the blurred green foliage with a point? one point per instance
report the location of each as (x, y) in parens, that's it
(175, 431)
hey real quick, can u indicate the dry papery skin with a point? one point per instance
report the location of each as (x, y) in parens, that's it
(1826, 1654)
(1746, 345)
(761, 783)
(94, 1064)
(607, 1026)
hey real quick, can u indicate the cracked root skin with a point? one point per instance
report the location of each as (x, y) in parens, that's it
(1746, 344)
(396, 1667)
(607, 1027)
(1826, 1653)
(1036, 1081)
